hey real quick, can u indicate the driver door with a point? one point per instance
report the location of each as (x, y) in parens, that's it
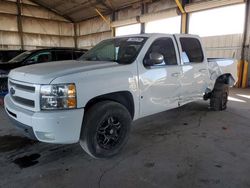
(160, 83)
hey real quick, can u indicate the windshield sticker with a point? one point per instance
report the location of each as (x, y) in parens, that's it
(135, 39)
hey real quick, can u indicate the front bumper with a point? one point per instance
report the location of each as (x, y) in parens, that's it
(62, 126)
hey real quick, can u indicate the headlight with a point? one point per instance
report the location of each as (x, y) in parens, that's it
(59, 96)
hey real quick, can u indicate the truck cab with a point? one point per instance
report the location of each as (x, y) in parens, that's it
(93, 100)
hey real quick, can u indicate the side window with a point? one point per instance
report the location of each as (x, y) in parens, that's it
(64, 55)
(107, 53)
(191, 50)
(41, 57)
(165, 47)
(126, 53)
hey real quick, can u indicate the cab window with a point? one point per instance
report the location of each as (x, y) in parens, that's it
(191, 50)
(41, 57)
(64, 55)
(165, 47)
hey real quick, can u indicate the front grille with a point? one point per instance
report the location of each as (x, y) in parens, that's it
(24, 95)
(23, 87)
(23, 101)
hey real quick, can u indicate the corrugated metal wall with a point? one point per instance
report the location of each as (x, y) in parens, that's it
(92, 31)
(227, 46)
(41, 28)
(9, 37)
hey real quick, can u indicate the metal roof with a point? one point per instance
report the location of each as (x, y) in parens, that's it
(78, 10)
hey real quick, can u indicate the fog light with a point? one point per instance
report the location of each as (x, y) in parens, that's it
(45, 136)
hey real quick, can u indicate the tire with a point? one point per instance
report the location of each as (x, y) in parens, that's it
(105, 129)
(219, 97)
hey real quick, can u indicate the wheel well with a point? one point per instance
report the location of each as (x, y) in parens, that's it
(123, 97)
(222, 79)
(225, 79)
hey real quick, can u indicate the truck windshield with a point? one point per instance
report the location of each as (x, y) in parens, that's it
(20, 57)
(121, 50)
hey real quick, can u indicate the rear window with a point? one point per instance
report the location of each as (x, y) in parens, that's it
(191, 50)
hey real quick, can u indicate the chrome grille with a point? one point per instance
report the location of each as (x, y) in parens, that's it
(23, 87)
(24, 95)
(23, 101)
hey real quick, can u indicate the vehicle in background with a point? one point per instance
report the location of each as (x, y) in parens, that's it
(35, 57)
(6, 55)
(95, 99)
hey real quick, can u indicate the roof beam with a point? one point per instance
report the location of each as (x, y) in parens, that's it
(52, 10)
(104, 4)
(77, 8)
(178, 3)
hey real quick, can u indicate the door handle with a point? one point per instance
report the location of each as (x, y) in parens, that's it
(203, 70)
(176, 74)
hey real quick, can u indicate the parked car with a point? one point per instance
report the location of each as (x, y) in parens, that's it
(94, 100)
(6, 55)
(35, 57)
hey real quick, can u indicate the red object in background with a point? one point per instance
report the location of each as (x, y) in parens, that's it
(1, 101)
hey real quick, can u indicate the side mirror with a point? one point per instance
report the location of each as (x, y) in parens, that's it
(154, 59)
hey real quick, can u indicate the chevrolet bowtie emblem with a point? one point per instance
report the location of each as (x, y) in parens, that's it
(12, 91)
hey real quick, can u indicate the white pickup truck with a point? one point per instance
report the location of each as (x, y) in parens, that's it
(94, 99)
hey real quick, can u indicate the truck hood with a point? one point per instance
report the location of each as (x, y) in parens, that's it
(45, 73)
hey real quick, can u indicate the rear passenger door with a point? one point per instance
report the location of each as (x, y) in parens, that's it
(159, 83)
(194, 80)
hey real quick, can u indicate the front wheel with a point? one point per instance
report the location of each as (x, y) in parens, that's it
(105, 129)
(219, 97)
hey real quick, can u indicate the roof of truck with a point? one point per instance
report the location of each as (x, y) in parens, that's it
(155, 34)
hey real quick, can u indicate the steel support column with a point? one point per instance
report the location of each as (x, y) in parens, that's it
(114, 17)
(144, 10)
(184, 23)
(75, 35)
(184, 17)
(19, 23)
(245, 56)
(246, 35)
